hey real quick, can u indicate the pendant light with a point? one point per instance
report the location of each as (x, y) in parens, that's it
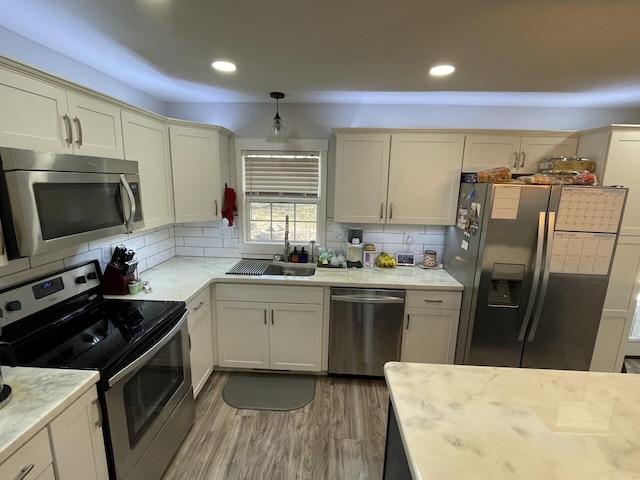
(277, 133)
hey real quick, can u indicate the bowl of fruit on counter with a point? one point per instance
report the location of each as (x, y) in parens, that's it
(385, 260)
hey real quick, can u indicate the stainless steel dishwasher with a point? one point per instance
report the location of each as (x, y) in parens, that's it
(365, 330)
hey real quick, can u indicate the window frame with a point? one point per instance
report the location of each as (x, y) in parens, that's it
(254, 249)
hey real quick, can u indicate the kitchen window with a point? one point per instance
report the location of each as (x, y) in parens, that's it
(276, 183)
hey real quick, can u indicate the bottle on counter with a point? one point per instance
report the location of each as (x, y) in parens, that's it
(303, 257)
(294, 255)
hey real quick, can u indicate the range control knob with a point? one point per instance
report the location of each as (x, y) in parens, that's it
(14, 306)
(92, 276)
(81, 279)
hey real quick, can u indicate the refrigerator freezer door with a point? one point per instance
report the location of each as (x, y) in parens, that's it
(566, 334)
(510, 245)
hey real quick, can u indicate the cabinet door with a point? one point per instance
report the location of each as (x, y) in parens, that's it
(295, 337)
(535, 148)
(97, 127)
(77, 441)
(196, 173)
(362, 168)
(147, 142)
(242, 334)
(424, 178)
(32, 114)
(201, 335)
(36, 453)
(429, 336)
(623, 168)
(489, 151)
(619, 307)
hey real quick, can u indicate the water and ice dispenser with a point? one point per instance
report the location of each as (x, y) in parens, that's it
(506, 285)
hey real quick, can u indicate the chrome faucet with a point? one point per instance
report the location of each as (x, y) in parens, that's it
(287, 247)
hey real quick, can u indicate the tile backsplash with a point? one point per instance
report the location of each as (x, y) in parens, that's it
(152, 246)
(210, 239)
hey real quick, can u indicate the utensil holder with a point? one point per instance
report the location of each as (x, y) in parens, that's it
(114, 282)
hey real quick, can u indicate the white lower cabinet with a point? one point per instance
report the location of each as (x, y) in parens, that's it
(276, 335)
(32, 460)
(430, 326)
(77, 441)
(201, 339)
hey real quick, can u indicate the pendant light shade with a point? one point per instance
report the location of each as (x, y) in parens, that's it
(277, 133)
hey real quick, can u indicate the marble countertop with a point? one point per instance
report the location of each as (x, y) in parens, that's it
(181, 278)
(39, 396)
(504, 423)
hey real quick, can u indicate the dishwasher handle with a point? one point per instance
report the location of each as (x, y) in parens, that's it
(366, 299)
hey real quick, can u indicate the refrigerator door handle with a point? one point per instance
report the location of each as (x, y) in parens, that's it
(545, 277)
(542, 219)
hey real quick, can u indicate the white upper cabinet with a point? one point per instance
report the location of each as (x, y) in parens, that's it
(362, 169)
(403, 178)
(196, 155)
(520, 153)
(617, 153)
(424, 177)
(38, 115)
(146, 141)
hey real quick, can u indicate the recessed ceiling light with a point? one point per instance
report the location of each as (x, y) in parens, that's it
(223, 66)
(442, 70)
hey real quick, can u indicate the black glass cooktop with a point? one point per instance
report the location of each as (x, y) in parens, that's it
(97, 336)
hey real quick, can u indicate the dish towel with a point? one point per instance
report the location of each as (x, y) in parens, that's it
(229, 204)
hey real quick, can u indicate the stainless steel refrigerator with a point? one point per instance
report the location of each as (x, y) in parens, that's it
(535, 262)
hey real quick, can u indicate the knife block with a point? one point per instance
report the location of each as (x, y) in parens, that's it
(114, 282)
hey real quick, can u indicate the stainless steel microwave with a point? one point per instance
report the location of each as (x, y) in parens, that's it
(50, 201)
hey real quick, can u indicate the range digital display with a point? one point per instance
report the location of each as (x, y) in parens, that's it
(47, 288)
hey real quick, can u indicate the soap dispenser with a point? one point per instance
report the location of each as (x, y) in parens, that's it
(303, 257)
(294, 255)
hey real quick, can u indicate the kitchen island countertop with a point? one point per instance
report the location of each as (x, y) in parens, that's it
(39, 396)
(504, 423)
(181, 278)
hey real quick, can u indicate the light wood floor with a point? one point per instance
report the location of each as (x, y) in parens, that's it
(339, 435)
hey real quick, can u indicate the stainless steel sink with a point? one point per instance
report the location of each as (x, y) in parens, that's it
(298, 270)
(266, 267)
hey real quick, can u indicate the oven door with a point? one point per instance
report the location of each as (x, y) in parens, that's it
(53, 210)
(143, 397)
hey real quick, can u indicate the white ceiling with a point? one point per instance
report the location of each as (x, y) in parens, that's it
(507, 52)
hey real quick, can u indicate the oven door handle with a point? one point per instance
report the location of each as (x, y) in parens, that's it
(140, 361)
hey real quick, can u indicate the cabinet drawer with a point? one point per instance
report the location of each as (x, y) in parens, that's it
(36, 452)
(269, 293)
(432, 299)
(198, 305)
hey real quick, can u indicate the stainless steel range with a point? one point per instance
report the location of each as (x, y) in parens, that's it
(140, 348)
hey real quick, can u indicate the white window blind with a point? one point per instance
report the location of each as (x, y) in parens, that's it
(292, 175)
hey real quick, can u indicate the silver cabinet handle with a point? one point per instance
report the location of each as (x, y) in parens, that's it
(432, 301)
(76, 120)
(516, 154)
(523, 156)
(265, 316)
(381, 211)
(98, 423)
(271, 317)
(198, 307)
(24, 471)
(67, 124)
(390, 211)
(216, 205)
(408, 320)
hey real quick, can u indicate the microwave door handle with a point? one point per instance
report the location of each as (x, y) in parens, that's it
(141, 360)
(536, 277)
(545, 277)
(132, 203)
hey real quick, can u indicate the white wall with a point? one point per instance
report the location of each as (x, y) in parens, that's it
(252, 120)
